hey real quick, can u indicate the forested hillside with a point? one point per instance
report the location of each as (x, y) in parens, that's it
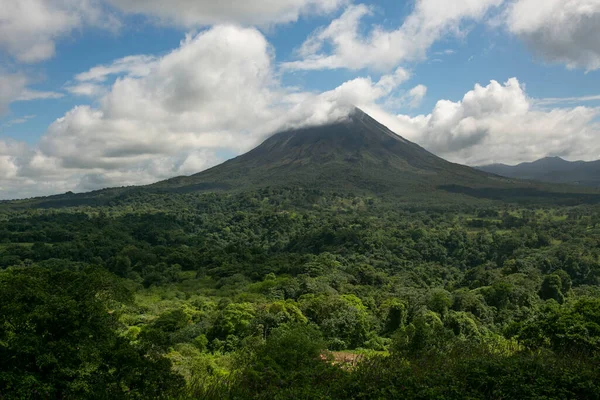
(290, 293)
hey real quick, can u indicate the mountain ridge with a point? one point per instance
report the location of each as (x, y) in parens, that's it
(550, 170)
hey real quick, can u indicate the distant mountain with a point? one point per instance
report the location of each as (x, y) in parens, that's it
(356, 155)
(552, 170)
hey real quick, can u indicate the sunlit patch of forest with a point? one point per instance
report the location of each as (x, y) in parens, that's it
(264, 294)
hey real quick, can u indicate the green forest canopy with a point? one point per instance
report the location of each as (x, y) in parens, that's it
(245, 296)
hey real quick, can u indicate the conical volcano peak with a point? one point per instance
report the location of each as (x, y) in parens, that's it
(371, 125)
(353, 137)
(358, 116)
(356, 128)
(357, 113)
(357, 153)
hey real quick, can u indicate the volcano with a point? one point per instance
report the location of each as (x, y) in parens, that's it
(358, 154)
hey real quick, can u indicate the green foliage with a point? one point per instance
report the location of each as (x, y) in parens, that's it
(571, 328)
(344, 320)
(243, 295)
(58, 339)
(552, 288)
(463, 325)
(395, 315)
(287, 363)
(439, 301)
(425, 333)
(473, 373)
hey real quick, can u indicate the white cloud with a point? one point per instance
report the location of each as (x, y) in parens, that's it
(29, 94)
(447, 52)
(500, 123)
(13, 87)
(383, 49)
(562, 31)
(20, 120)
(566, 100)
(136, 66)
(92, 83)
(86, 89)
(11, 153)
(29, 28)
(417, 94)
(310, 109)
(203, 98)
(193, 13)
(216, 93)
(210, 93)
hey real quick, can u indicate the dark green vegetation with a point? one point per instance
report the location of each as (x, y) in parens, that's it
(552, 170)
(441, 282)
(241, 295)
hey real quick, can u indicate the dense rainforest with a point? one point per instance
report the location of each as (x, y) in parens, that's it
(289, 293)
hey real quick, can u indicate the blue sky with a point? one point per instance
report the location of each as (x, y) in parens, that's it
(97, 93)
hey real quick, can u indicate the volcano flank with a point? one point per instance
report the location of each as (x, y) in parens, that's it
(357, 153)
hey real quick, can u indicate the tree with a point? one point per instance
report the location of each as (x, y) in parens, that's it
(573, 326)
(344, 320)
(290, 361)
(396, 314)
(58, 339)
(234, 319)
(426, 333)
(552, 288)
(440, 301)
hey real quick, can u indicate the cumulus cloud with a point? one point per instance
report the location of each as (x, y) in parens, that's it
(29, 28)
(217, 93)
(214, 85)
(562, 31)
(500, 123)
(192, 13)
(343, 44)
(25, 172)
(202, 99)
